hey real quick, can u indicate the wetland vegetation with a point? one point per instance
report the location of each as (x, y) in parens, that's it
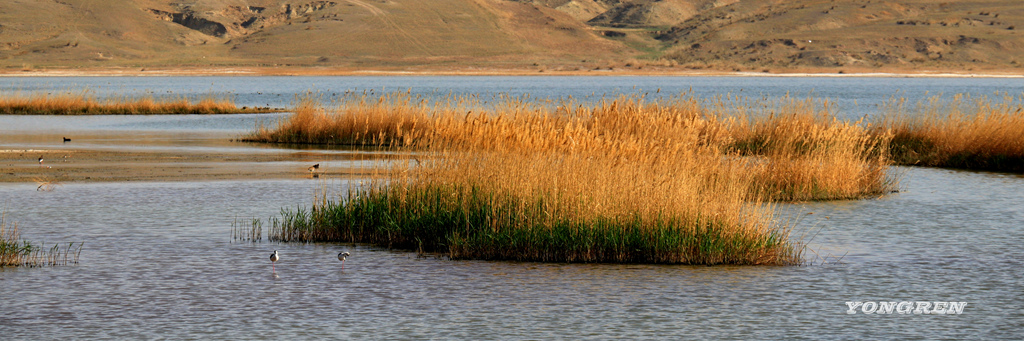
(676, 181)
(967, 133)
(680, 180)
(17, 252)
(84, 103)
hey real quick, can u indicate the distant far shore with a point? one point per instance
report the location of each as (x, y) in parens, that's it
(481, 71)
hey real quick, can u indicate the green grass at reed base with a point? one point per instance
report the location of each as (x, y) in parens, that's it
(471, 223)
(17, 252)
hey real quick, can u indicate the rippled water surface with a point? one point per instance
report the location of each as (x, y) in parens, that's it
(159, 262)
(854, 96)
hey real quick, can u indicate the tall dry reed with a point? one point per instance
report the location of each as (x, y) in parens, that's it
(964, 132)
(795, 149)
(85, 103)
(800, 150)
(358, 120)
(543, 206)
(623, 181)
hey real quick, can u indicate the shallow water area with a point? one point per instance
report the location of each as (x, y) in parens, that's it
(159, 148)
(159, 261)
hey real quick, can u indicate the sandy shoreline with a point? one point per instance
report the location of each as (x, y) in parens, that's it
(323, 71)
(61, 166)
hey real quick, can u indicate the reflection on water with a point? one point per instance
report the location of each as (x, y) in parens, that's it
(158, 262)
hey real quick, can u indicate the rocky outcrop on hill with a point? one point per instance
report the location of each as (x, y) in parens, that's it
(653, 13)
(237, 21)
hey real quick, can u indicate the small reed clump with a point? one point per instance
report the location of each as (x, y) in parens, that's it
(86, 104)
(961, 133)
(358, 120)
(247, 230)
(801, 151)
(17, 252)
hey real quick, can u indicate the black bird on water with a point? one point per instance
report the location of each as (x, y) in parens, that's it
(67, 139)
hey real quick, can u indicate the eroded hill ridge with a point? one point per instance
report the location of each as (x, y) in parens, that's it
(235, 21)
(729, 35)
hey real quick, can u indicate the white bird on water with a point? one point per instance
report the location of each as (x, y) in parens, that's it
(273, 259)
(342, 256)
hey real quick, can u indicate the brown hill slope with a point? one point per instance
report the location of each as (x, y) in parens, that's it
(96, 33)
(862, 34)
(774, 35)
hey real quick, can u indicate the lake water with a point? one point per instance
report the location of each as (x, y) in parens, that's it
(159, 261)
(854, 96)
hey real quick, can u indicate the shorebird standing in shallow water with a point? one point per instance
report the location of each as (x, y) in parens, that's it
(273, 259)
(342, 256)
(312, 170)
(40, 160)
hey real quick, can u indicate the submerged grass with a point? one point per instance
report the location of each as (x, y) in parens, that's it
(247, 230)
(84, 103)
(17, 252)
(964, 132)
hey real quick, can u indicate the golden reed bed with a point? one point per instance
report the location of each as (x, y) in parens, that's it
(84, 103)
(627, 180)
(962, 132)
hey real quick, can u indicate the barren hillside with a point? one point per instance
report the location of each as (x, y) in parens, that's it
(772, 35)
(862, 34)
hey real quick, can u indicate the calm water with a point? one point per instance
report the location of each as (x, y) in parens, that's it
(159, 261)
(854, 97)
